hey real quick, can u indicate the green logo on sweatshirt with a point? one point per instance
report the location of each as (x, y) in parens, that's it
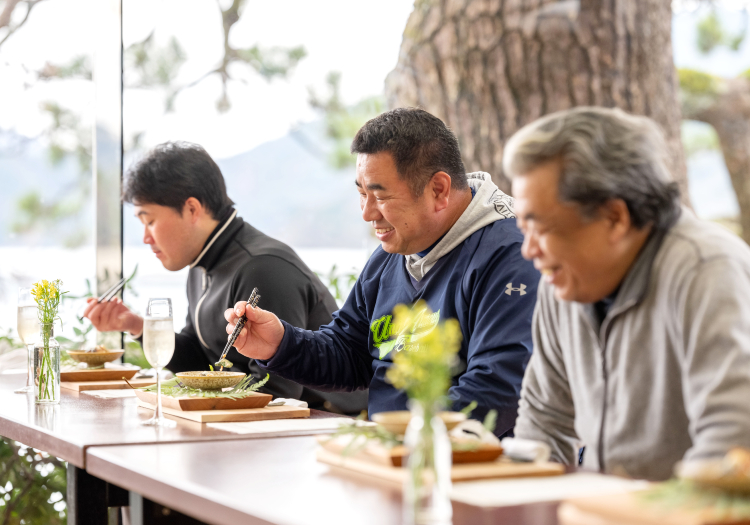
(384, 339)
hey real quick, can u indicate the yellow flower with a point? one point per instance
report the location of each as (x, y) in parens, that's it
(423, 367)
(47, 296)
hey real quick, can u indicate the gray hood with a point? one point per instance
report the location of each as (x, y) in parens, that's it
(488, 205)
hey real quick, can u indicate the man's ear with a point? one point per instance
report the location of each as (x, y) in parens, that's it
(616, 213)
(194, 209)
(440, 188)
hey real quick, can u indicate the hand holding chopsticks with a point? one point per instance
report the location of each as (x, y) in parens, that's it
(109, 294)
(108, 314)
(253, 302)
(261, 334)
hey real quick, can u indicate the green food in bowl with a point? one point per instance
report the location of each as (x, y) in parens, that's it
(213, 380)
(226, 363)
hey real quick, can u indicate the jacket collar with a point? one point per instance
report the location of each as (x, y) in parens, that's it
(217, 241)
(634, 286)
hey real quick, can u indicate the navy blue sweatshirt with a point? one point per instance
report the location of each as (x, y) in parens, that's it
(484, 283)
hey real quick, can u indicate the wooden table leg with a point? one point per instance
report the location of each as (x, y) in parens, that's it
(143, 511)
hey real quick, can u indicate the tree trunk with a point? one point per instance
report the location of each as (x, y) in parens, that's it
(488, 67)
(726, 107)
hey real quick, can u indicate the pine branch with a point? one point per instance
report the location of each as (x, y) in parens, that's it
(5, 16)
(243, 389)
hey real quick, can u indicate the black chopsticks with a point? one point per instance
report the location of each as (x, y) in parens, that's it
(110, 293)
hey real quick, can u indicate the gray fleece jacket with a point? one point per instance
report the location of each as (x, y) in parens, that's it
(665, 376)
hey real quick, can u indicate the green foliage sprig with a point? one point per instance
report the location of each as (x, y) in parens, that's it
(687, 495)
(174, 388)
(338, 283)
(423, 367)
(8, 342)
(342, 121)
(47, 296)
(711, 34)
(362, 433)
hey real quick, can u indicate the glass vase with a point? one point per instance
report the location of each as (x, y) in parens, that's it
(47, 367)
(428, 481)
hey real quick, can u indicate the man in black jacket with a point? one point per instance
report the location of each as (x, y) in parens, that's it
(180, 197)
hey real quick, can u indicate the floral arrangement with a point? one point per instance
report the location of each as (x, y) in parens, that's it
(47, 296)
(423, 367)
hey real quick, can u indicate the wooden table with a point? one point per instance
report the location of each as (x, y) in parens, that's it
(274, 481)
(212, 475)
(82, 421)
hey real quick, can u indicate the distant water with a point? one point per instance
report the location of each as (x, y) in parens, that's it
(20, 266)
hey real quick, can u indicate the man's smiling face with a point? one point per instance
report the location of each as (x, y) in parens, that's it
(403, 224)
(574, 253)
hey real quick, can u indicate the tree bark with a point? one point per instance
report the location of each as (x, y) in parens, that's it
(726, 107)
(488, 67)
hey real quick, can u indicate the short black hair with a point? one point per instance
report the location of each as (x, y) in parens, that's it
(420, 143)
(173, 172)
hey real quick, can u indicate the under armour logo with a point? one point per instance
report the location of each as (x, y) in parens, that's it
(509, 289)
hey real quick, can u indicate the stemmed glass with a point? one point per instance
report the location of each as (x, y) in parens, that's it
(28, 330)
(158, 346)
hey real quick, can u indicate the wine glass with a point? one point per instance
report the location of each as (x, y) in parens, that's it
(158, 346)
(28, 331)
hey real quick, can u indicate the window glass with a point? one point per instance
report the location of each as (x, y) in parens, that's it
(276, 108)
(46, 203)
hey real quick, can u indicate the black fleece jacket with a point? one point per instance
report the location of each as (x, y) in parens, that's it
(236, 259)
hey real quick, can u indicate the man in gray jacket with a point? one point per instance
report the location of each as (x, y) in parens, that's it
(642, 326)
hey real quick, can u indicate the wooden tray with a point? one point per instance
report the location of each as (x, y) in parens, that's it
(629, 509)
(108, 373)
(395, 456)
(465, 472)
(80, 386)
(225, 416)
(255, 400)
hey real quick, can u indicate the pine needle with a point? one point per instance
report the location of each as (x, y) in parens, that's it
(243, 389)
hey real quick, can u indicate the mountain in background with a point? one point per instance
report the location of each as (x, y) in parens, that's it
(283, 188)
(287, 189)
(25, 166)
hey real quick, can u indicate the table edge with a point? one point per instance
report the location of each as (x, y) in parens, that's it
(55, 446)
(191, 503)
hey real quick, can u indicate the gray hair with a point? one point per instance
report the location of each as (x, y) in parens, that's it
(604, 154)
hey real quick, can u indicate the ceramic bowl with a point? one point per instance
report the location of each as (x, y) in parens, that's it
(210, 380)
(397, 420)
(95, 359)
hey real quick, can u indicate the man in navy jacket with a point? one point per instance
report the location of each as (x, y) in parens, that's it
(448, 238)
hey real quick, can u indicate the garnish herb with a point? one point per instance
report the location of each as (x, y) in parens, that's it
(685, 494)
(174, 388)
